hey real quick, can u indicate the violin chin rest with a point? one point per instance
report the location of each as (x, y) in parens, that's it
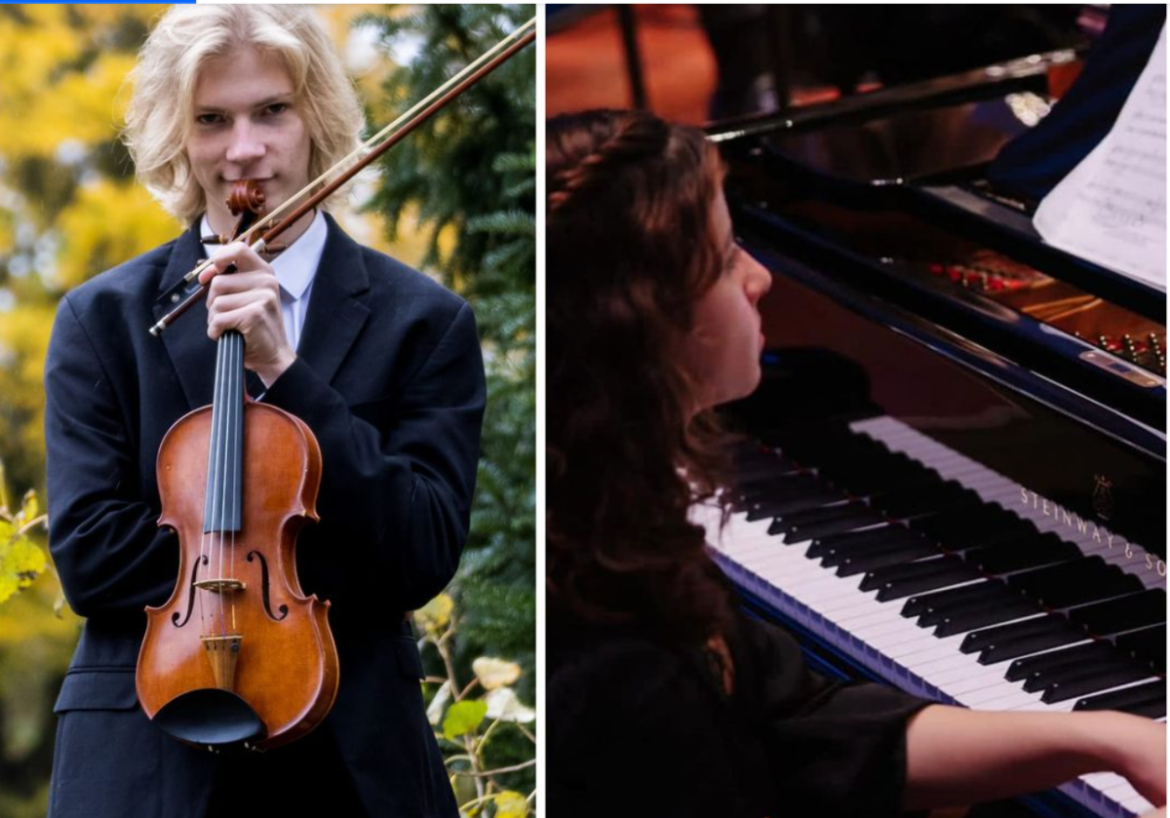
(211, 718)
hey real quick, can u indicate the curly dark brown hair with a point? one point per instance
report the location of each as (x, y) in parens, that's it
(631, 248)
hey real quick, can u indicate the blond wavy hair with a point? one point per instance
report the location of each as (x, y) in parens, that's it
(161, 109)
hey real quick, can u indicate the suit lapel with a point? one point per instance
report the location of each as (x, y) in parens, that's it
(186, 341)
(337, 304)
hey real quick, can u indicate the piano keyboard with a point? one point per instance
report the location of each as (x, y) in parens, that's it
(979, 595)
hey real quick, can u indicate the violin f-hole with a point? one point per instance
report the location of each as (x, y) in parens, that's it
(264, 587)
(191, 596)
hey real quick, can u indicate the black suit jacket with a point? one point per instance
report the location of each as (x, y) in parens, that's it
(389, 377)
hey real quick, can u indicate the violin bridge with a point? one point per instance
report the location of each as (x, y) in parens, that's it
(219, 586)
(222, 652)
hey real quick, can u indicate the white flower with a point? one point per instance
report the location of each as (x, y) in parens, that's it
(493, 673)
(505, 706)
(435, 709)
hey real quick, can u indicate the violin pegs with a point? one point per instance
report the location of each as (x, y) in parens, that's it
(246, 196)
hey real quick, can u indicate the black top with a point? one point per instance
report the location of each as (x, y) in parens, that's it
(642, 728)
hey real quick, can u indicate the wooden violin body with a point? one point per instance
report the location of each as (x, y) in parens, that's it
(238, 655)
(263, 641)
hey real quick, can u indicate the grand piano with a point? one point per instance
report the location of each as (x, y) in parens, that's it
(953, 477)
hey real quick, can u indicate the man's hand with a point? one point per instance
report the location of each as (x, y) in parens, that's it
(248, 301)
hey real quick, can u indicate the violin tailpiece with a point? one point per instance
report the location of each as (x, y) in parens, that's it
(222, 652)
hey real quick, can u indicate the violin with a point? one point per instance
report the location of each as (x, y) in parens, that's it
(238, 654)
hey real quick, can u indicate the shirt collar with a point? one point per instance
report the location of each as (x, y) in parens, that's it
(295, 267)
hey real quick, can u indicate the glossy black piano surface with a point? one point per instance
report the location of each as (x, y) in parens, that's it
(954, 476)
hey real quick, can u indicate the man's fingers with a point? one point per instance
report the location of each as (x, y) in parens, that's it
(254, 282)
(244, 257)
(225, 302)
(243, 319)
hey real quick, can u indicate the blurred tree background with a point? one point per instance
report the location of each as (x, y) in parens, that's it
(456, 200)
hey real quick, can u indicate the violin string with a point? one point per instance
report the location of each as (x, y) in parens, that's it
(237, 407)
(205, 545)
(221, 473)
(270, 220)
(216, 466)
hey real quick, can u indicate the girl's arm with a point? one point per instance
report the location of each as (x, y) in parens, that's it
(956, 756)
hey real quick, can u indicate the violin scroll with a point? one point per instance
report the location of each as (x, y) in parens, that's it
(246, 197)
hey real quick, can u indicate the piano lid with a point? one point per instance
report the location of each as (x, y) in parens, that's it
(914, 222)
(928, 149)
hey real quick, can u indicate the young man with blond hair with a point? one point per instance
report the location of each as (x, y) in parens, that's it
(379, 361)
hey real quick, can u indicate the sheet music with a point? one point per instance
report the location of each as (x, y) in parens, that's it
(1111, 209)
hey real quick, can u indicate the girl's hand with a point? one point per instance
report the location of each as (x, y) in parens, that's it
(1138, 752)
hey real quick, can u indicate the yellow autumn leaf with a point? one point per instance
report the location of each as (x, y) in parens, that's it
(21, 562)
(511, 804)
(435, 615)
(28, 508)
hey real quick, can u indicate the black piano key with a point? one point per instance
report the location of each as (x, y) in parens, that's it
(1042, 582)
(918, 499)
(797, 501)
(1052, 638)
(1071, 689)
(989, 593)
(826, 449)
(984, 615)
(917, 605)
(1140, 695)
(777, 486)
(964, 527)
(1112, 583)
(981, 639)
(1094, 651)
(1022, 553)
(899, 540)
(1146, 645)
(767, 466)
(1064, 674)
(850, 522)
(901, 589)
(847, 520)
(1154, 709)
(918, 568)
(861, 563)
(873, 535)
(893, 472)
(815, 515)
(845, 523)
(1126, 613)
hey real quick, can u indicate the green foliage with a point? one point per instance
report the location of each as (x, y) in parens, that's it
(446, 166)
(463, 717)
(479, 724)
(468, 176)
